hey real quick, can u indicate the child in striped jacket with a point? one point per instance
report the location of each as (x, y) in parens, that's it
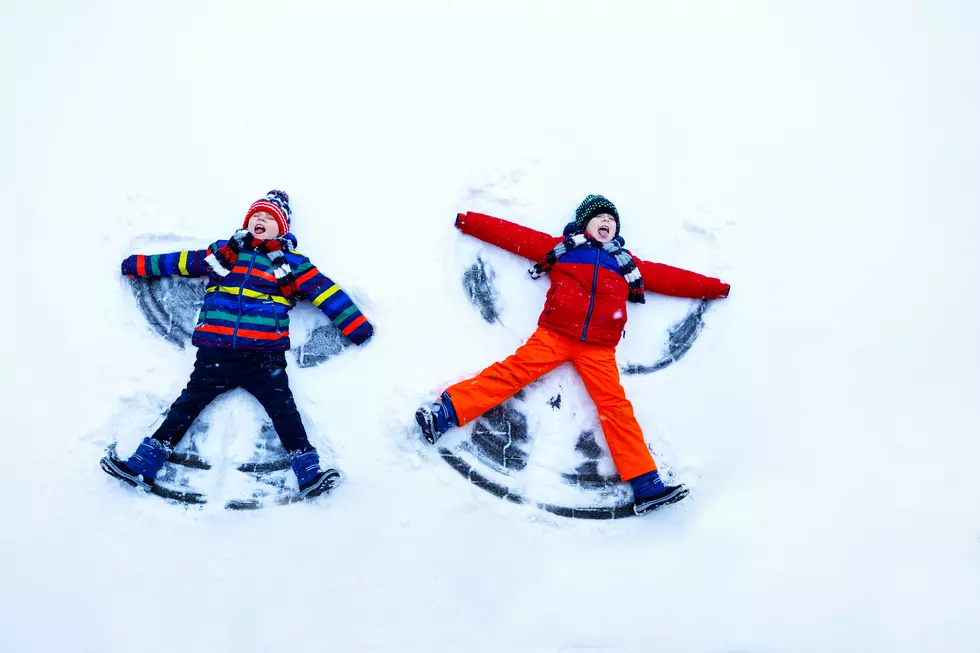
(242, 335)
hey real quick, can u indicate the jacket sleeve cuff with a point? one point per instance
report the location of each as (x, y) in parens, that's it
(128, 266)
(719, 289)
(362, 334)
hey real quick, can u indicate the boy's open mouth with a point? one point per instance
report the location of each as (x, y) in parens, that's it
(603, 231)
(259, 229)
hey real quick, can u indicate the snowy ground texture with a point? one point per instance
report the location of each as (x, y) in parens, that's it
(821, 157)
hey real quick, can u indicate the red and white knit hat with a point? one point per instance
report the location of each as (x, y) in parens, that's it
(276, 204)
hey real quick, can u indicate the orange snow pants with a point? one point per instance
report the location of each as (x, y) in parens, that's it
(544, 351)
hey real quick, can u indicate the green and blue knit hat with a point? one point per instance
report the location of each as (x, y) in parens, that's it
(592, 206)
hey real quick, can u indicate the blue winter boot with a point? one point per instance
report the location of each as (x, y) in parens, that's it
(141, 468)
(312, 481)
(436, 419)
(650, 493)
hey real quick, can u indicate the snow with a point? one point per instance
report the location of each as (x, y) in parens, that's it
(821, 159)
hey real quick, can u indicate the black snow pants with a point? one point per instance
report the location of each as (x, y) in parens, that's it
(216, 371)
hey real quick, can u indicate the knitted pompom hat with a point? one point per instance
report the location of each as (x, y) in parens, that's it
(592, 206)
(276, 204)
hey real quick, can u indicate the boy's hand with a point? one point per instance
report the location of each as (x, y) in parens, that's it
(241, 238)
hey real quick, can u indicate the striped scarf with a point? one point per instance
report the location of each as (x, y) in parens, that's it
(627, 266)
(222, 261)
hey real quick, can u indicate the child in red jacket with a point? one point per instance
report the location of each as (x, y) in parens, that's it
(592, 278)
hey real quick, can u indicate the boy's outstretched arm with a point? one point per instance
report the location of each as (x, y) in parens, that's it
(668, 280)
(516, 239)
(334, 302)
(186, 264)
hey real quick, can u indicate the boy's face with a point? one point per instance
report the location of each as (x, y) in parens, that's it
(263, 226)
(602, 227)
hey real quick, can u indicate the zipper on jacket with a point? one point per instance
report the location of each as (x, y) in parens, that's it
(595, 277)
(238, 319)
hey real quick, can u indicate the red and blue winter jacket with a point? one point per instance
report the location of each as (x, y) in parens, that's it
(587, 298)
(246, 309)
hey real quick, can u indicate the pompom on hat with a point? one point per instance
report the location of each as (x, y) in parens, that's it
(276, 204)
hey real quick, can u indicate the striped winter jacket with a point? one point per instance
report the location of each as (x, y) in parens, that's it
(246, 309)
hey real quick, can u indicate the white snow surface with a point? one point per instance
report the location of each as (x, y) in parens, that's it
(821, 157)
